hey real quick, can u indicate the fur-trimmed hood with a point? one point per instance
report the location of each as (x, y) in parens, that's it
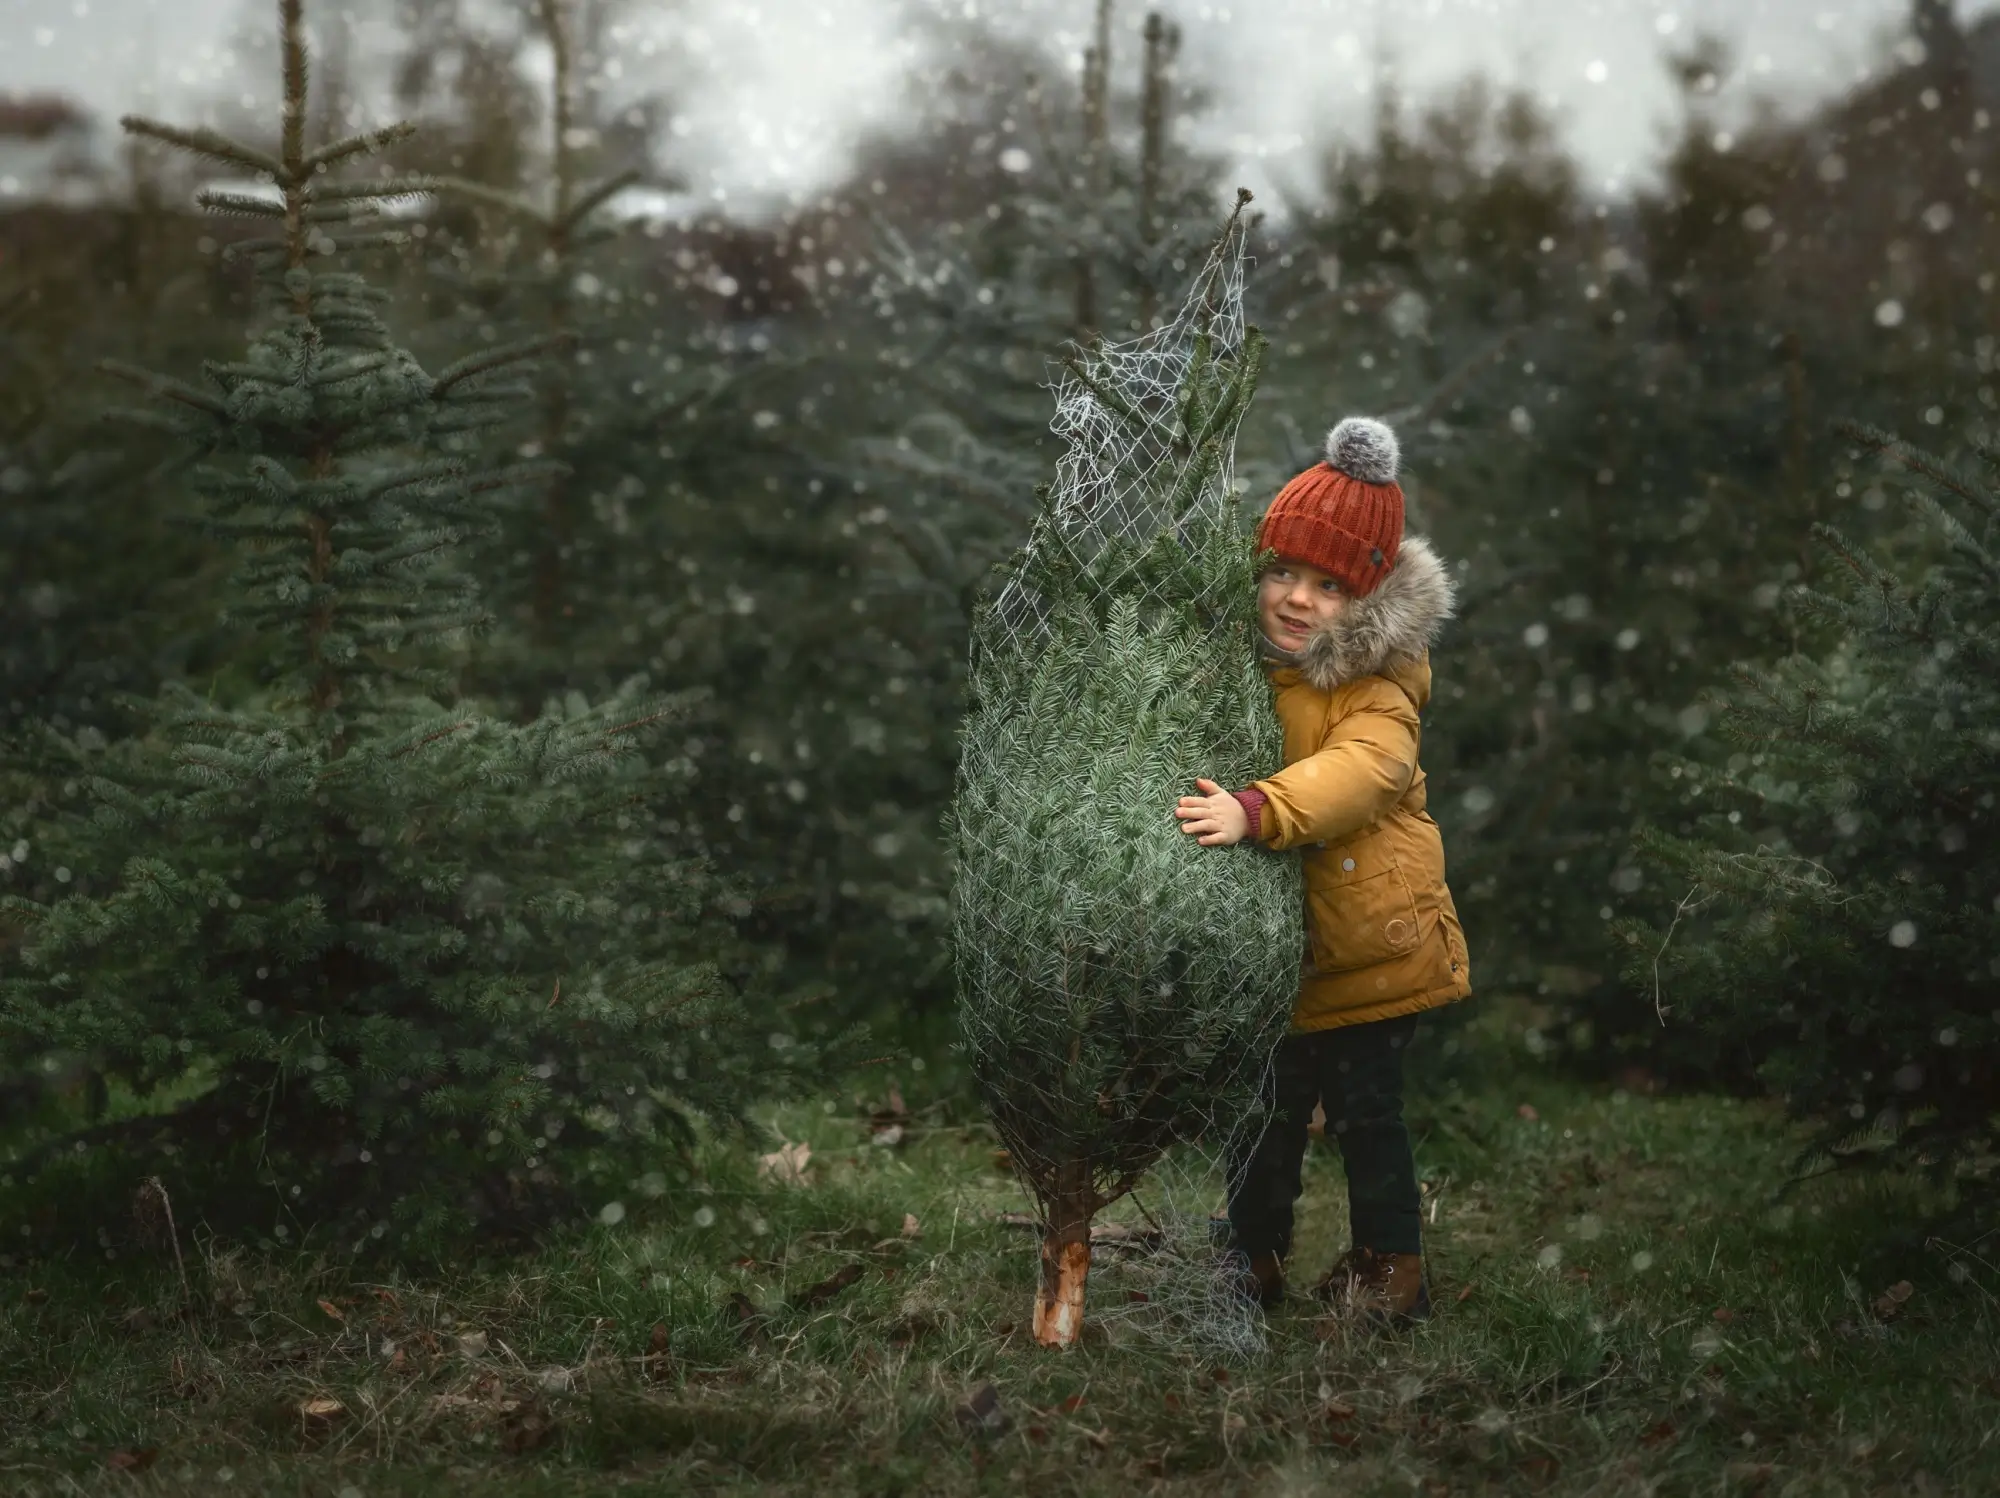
(1392, 626)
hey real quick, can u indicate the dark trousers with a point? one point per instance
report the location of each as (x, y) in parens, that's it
(1355, 1073)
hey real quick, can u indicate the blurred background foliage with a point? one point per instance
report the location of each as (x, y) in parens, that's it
(796, 446)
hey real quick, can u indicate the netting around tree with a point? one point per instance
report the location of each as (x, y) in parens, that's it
(1122, 987)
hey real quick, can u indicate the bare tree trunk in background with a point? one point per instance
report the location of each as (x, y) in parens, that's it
(560, 532)
(1798, 480)
(1163, 42)
(1096, 159)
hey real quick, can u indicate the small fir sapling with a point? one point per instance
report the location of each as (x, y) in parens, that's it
(1839, 900)
(391, 956)
(1120, 986)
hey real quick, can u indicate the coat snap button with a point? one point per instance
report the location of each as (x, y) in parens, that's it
(1398, 932)
(1347, 864)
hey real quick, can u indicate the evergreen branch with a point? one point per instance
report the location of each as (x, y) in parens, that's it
(1230, 405)
(166, 387)
(360, 145)
(344, 211)
(244, 249)
(516, 474)
(372, 239)
(492, 197)
(1456, 381)
(205, 142)
(386, 190)
(434, 736)
(596, 198)
(392, 483)
(661, 716)
(1916, 460)
(596, 234)
(474, 365)
(239, 205)
(1110, 399)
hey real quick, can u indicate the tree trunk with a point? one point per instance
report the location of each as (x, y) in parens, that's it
(1065, 1265)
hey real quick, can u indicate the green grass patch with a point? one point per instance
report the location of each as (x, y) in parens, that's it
(1624, 1307)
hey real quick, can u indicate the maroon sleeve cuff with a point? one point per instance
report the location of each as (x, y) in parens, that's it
(1252, 801)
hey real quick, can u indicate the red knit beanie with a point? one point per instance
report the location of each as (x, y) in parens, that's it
(1343, 516)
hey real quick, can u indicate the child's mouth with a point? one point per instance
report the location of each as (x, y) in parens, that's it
(1293, 626)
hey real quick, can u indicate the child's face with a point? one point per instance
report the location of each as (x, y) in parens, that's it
(1295, 598)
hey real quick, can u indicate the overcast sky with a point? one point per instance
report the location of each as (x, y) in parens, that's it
(782, 86)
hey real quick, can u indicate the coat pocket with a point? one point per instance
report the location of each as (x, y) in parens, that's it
(1358, 916)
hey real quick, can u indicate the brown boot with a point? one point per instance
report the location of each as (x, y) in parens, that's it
(1268, 1270)
(1390, 1289)
(1261, 1277)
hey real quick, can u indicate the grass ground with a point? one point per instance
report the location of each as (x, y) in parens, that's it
(1624, 1309)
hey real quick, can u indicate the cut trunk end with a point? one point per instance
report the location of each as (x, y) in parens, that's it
(1059, 1306)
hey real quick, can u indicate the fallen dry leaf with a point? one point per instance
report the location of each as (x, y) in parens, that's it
(827, 1288)
(526, 1427)
(1540, 1469)
(1003, 1160)
(333, 1310)
(1527, 1111)
(981, 1414)
(888, 1136)
(1889, 1304)
(472, 1344)
(911, 1227)
(786, 1164)
(133, 1461)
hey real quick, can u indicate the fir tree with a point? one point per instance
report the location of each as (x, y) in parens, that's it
(1120, 986)
(1841, 905)
(388, 951)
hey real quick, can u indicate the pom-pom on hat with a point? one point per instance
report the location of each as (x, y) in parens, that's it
(1345, 515)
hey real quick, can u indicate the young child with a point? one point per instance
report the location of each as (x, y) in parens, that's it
(1349, 609)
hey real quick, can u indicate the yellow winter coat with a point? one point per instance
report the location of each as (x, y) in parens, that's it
(1384, 937)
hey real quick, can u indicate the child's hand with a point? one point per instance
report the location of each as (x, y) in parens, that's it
(1216, 819)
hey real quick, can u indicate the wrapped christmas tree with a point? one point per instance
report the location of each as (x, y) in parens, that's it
(1121, 987)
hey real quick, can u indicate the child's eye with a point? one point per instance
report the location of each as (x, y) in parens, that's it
(1329, 586)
